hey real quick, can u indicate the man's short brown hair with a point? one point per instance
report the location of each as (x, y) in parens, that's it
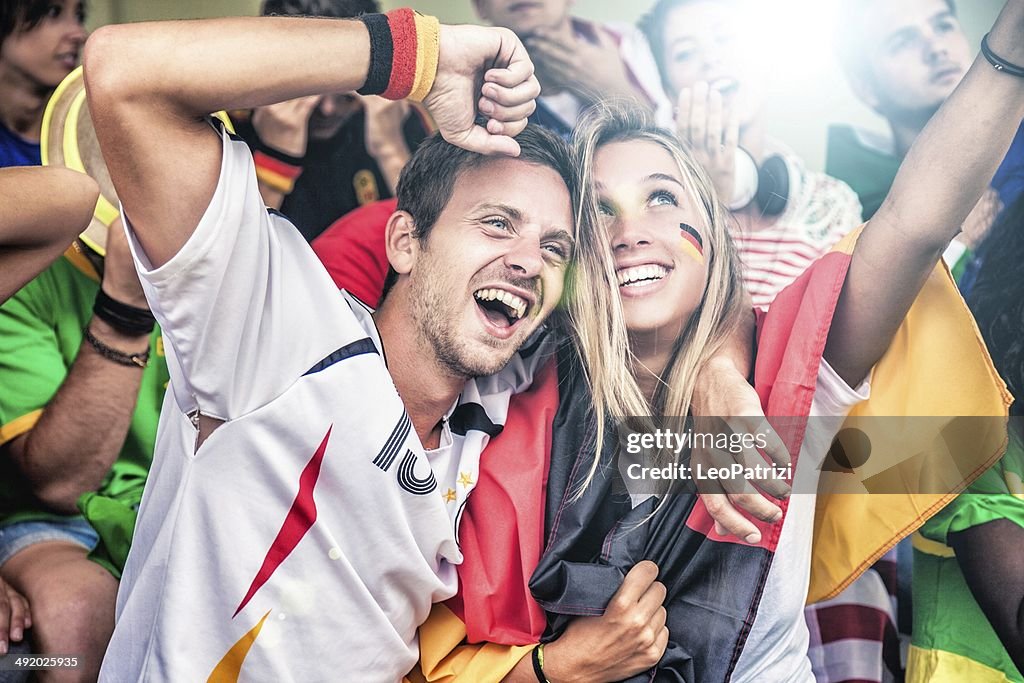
(428, 180)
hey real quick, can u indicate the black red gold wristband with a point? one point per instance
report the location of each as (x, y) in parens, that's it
(404, 49)
(276, 170)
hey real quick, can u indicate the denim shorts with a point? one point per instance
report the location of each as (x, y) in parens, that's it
(17, 536)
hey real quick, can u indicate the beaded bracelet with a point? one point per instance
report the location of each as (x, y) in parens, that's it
(131, 360)
(404, 49)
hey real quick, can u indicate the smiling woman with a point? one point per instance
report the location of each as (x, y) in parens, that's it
(677, 276)
(672, 253)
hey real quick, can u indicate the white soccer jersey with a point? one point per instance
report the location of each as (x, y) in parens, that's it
(776, 648)
(308, 536)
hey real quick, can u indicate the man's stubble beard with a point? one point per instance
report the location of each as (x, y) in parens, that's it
(436, 314)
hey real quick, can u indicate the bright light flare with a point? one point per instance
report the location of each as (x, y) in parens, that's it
(792, 39)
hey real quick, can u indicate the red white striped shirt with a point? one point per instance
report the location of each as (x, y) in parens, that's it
(822, 211)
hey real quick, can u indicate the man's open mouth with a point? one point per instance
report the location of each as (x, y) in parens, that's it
(641, 275)
(502, 308)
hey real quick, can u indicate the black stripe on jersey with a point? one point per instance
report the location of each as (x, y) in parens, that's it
(356, 348)
(472, 416)
(407, 479)
(394, 443)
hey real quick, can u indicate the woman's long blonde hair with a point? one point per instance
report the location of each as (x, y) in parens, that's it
(601, 338)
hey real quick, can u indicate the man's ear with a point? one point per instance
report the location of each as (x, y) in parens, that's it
(401, 242)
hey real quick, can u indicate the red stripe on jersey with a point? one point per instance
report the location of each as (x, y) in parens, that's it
(297, 522)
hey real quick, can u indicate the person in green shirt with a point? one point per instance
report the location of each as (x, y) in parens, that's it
(76, 416)
(82, 379)
(44, 209)
(902, 60)
(954, 636)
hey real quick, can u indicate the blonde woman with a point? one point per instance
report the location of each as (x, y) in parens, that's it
(735, 610)
(732, 610)
(679, 281)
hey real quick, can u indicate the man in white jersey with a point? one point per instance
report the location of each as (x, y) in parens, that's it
(299, 520)
(288, 373)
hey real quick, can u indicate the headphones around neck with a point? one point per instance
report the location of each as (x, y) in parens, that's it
(771, 185)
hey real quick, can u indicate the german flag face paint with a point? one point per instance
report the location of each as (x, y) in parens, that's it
(691, 242)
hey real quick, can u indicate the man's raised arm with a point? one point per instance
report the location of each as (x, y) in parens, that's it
(940, 181)
(151, 85)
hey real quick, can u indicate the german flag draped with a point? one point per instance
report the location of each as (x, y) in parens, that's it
(936, 366)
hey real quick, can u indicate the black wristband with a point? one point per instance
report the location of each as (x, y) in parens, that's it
(998, 62)
(382, 50)
(129, 320)
(538, 668)
(131, 360)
